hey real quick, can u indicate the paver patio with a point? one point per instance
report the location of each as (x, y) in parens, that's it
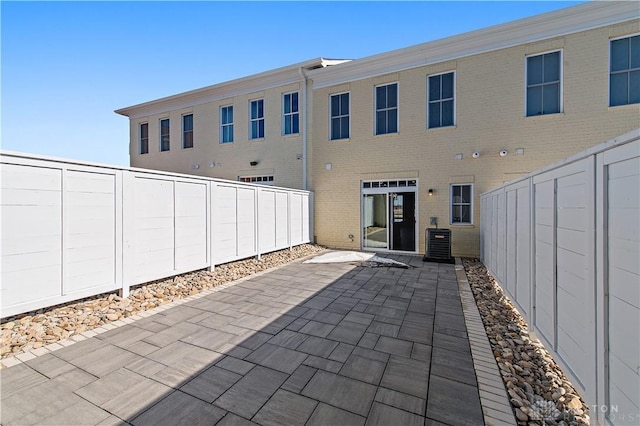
(305, 344)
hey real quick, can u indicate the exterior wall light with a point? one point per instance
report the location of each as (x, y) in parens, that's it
(253, 163)
(503, 153)
(430, 192)
(476, 154)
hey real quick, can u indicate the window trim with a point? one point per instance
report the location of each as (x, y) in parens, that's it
(348, 92)
(223, 125)
(375, 108)
(455, 104)
(168, 134)
(561, 88)
(451, 204)
(140, 151)
(251, 120)
(284, 115)
(184, 132)
(609, 70)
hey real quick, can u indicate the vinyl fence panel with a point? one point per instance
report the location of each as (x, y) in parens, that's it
(623, 278)
(571, 265)
(72, 229)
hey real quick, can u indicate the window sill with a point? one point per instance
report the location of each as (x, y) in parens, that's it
(340, 140)
(257, 140)
(386, 135)
(442, 128)
(463, 225)
(625, 106)
(227, 143)
(544, 116)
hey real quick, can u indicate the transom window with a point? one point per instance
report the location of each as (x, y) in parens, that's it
(226, 124)
(164, 135)
(339, 115)
(290, 114)
(389, 184)
(387, 109)
(144, 138)
(440, 106)
(462, 204)
(187, 131)
(256, 121)
(262, 180)
(624, 78)
(543, 84)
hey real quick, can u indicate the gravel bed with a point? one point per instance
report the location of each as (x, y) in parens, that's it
(32, 330)
(539, 391)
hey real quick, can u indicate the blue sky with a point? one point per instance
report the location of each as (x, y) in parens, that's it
(66, 66)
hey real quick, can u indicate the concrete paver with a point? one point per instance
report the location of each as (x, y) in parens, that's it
(313, 344)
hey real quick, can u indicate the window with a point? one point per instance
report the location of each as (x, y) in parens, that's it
(256, 119)
(261, 180)
(440, 110)
(339, 115)
(144, 138)
(461, 204)
(290, 114)
(543, 84)
(187, 131)
(164, 134)
(624, 77)
(387, 109)
(226, 124)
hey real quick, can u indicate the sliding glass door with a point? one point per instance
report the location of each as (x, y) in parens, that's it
(389, 215)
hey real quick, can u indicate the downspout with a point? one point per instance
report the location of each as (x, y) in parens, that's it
(304, 128)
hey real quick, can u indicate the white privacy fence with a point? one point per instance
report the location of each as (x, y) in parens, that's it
(564, 243)
(72, 230)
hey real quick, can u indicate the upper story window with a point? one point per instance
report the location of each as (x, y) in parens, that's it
(543, 84)
(462, 204)
(256, 119)
(339, 116)
(226, 124)
(164, 134)
(624, 78)
(440, 108)
(187, 131)
(387, 109)
(144, 138)
(290, 114)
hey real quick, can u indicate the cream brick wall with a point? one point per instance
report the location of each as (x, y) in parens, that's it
(275, 153)
(490, 116)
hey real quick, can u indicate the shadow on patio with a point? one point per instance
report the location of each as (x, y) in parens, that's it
(305, 344)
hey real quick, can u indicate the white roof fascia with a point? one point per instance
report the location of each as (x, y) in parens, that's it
(570, 20)
(242, 86)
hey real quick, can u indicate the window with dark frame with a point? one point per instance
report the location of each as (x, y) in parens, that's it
(187, 131)
(339, 116)
(387, 109)
(256, 120)
(164, 135)
(543, 84)
(290, 114)
(226, 124)
(440, 103)
(461, 204)
(624, 71)
(144, 138)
